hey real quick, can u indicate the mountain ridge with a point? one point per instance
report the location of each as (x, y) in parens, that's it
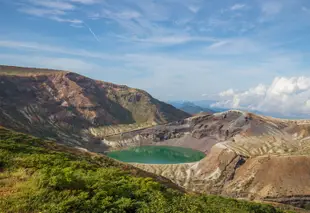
(65, 106)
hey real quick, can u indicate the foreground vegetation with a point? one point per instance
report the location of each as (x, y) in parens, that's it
(40, 176)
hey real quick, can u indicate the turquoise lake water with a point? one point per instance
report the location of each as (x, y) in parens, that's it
(157, 155)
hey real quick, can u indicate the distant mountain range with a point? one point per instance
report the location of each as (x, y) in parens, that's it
(194, 107)
(190, 107)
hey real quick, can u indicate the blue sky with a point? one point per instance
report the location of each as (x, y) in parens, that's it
(174, 49)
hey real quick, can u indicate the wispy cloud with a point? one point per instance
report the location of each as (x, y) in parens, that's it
(59, 5)
(173, 40)
(53, 10)
(237, 46)
(238, 7)
(72, 21)
(167, 45)
(194, 8)
(41, 47)
(160, 72)
(41, 12)
(86, 1)
(129, 21)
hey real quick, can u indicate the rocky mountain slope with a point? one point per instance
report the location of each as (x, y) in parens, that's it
(74, 109)
(248, 156)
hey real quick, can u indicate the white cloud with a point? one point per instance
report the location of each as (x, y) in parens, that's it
(41, 12)
(287, 96)
(60, 5)
(86, 1)
(238, 7)
(218, 44)
(173, 39)
(54, 10)
(234, 46)
(72, 21)
(229, 92)
(194, 8)
(120, 15)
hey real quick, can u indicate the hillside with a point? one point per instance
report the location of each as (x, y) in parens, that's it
(74, 109)
(248, 156)
(41, 176)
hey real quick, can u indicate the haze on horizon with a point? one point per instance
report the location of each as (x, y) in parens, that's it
(245, 54)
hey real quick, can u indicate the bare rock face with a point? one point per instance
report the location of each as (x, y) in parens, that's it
(64, 106)
(282, 179)
(248, 156)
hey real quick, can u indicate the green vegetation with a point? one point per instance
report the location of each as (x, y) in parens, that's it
(40, 176)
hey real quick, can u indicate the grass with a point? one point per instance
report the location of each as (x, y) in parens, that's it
(41, 176)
